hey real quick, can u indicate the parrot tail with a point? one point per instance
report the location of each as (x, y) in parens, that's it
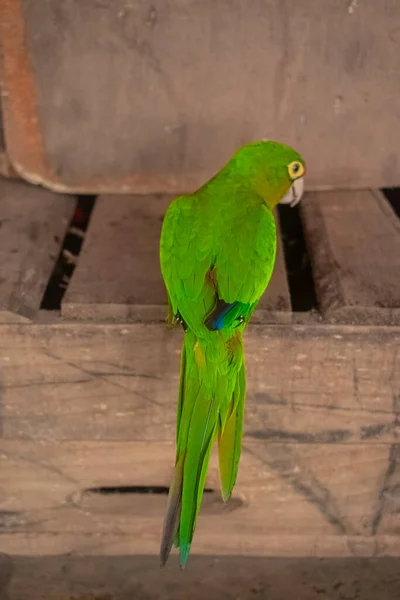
(230, 436)
(210, 404)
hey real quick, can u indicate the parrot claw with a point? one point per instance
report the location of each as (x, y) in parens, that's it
(182, 322)
(239, 321)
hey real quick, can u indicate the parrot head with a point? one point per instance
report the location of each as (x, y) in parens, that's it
(296, 171)
(275, 170)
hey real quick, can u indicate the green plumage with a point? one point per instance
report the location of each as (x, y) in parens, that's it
(217, 254)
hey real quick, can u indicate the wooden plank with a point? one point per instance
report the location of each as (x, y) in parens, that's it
(308, 384)
(122, 577)
(354, 246)
(281, 505)
(118, 274)
(177, 88)
(33, 223)
(92, 544)
(87, 406)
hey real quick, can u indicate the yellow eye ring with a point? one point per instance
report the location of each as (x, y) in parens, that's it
(296, 169)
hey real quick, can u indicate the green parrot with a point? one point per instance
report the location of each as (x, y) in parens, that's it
(217, 253)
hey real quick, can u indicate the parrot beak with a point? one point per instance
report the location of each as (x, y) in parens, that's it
(297, 190)
(293, 196)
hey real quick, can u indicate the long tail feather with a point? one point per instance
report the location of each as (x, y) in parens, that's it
(171, 520)
(181, 392)
(212, 377)
(230, 438)
(195, 471)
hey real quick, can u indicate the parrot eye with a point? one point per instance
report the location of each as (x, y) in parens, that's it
(296, 169)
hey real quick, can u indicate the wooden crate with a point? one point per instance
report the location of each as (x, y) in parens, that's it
(152, 96)
(88, 396)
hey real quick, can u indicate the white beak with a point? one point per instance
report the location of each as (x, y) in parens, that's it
(294, 194)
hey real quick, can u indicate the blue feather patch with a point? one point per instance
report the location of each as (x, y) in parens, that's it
(222, 316)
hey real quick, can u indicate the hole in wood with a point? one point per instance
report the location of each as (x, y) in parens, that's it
(69, 253)
(135, 489)
(393, 197)
(144, 501)
(298, 267)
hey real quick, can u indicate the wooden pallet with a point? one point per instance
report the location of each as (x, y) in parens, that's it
(88, 396)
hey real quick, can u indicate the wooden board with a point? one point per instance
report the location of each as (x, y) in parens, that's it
(118, 274)
(50, 509)
(33, 223)
(119, 382)
(83, 577)
(354, 245)
(88, 406)
(155, 96)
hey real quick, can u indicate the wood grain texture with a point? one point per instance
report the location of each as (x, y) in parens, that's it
(33, 223)
(118, 274)
(306, 384)
(154, 97)
(87, 406)
(354, 245)
(289, 500)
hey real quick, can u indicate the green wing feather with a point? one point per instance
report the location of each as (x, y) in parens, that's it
(244, 269)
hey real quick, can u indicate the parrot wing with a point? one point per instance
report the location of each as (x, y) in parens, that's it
(243, 268)
(216, 282)
(186, 258)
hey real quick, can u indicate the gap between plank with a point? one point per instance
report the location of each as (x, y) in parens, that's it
(69, 253)
(392, 195)
(298, 267)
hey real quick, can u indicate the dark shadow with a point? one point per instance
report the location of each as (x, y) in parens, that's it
(134, 489)
(298, 268)
(205, 578)
(70, 250)
(393, 196)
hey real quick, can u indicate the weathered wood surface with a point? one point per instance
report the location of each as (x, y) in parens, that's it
(155, 96)
(33, 222)
(119, 382)
(6, 169)
(319, 472)
(290, 500)
(354, 244)
(118, 274)
(82, 577)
